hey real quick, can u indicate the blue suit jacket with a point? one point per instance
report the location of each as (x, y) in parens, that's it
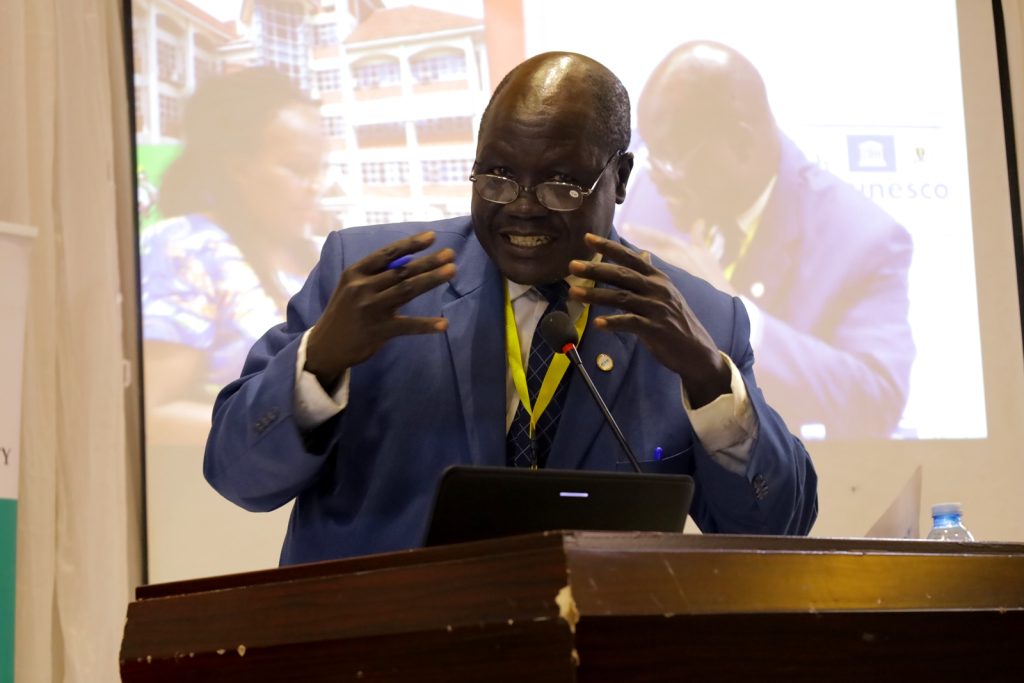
(364, 481)
(829, 270)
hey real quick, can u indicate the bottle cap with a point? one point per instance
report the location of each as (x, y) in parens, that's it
(943, 509)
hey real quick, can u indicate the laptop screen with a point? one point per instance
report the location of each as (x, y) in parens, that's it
(475, 503)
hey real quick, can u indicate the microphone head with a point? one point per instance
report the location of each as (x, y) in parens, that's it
(558, 331)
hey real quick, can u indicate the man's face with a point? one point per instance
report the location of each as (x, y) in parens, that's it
(698, 179)
(277, 184)
(529, 243)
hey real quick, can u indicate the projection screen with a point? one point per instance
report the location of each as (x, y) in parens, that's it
(883, 289)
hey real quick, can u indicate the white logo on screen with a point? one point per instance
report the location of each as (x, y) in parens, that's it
(871, 154)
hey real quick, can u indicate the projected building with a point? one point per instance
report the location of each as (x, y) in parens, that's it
(400, 90)
(174, 45)
(401, 95)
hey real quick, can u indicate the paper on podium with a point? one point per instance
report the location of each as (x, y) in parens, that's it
(902, 518)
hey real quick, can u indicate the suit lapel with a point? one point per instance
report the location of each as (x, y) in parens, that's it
(581, 418)
(477, 344)
(765, 274)
(476, 340)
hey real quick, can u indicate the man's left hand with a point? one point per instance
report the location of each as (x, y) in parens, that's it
(654, 310)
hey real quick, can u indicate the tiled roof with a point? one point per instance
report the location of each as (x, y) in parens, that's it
(196, 12)
(408, 21)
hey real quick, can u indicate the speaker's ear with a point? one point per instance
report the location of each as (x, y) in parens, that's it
(622, 170)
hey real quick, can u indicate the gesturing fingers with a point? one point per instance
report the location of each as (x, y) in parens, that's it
(651, 306)
(378, 261)
(391, 276)
(656, 312)
(611, 274)
(407, 288)
(406, 267)
(623, 299)
(361, 314)
(636, 286)
(405, 325)
(626, 322)
(620, 267)
(620, 253)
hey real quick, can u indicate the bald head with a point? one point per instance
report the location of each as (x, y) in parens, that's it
(706, 85)
(568, 84)
(710, 132)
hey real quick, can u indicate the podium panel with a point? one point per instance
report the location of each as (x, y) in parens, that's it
(592, 606)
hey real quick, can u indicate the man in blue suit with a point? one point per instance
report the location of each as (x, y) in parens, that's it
(822, 271)
(394, 364)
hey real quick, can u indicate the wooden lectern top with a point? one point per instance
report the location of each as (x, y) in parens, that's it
(596, 606)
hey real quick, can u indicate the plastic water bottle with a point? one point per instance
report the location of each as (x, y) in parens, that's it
(946, 523)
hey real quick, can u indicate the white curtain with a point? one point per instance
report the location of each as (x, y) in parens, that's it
(66, 170)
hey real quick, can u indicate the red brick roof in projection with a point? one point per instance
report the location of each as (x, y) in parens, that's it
(408, 21)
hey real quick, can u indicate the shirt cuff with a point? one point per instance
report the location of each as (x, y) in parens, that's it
(313, 405)
(756, 318)
(727, 426)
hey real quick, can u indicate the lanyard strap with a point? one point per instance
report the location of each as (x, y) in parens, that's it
(556, 370)
(747, 239)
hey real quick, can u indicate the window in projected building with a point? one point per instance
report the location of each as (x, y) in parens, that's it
(446, 67)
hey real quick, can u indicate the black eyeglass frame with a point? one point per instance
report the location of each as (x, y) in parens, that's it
(580, 193)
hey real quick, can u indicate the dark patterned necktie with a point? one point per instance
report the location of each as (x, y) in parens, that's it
(521, 451)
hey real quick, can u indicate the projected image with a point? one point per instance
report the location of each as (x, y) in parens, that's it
(823, 272)
(815, 168)
(261, 126)
(807, 172)
(241, 200)
(857, 263)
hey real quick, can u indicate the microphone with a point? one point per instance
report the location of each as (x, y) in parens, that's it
(559, 333)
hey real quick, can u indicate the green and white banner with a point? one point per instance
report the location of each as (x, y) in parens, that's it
(15, 246)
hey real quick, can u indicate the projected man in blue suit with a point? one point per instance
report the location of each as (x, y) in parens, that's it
(822, 270)
(389, 369)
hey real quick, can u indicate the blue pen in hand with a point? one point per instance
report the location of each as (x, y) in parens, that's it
(658, 452)
(400, 262)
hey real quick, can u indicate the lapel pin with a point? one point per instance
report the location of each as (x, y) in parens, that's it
(605, 362)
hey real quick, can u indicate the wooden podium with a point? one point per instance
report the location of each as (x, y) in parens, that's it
(588, 606)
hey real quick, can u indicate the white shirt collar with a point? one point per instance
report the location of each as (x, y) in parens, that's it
(516, 290)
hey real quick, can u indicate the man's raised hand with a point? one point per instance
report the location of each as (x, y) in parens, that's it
(362, 312)
(654, 310)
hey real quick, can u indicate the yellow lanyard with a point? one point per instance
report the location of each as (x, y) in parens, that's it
(556, 370)
(747, 239)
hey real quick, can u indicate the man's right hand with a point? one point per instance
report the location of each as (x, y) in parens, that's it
(683, 251)
(361, 315)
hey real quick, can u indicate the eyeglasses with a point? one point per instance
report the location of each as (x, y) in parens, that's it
(676, 171)
(551, 195)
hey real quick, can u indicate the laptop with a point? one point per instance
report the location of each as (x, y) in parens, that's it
(475, 503)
